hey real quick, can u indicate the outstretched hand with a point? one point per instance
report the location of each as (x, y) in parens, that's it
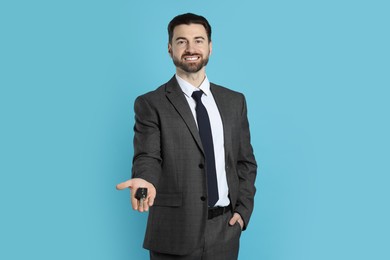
(133, 185)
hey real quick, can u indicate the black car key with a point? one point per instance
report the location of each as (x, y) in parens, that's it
(141, 194)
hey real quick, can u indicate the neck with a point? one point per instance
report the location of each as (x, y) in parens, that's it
(194, 79)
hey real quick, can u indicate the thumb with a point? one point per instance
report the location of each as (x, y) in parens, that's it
(234, 219)
(124, 185)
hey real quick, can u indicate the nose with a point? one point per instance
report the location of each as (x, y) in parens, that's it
(189, 47)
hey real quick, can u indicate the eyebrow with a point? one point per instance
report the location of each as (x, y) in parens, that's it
(183, 38)
(180, 38)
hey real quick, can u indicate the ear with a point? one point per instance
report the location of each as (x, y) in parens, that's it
(170, 49)
(211, 47)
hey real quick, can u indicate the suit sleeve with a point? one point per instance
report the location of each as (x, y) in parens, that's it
(147, 146)
(246, 169)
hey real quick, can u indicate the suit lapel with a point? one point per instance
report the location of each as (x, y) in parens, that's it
(176, 97)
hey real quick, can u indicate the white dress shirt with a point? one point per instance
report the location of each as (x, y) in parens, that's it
(216, 130)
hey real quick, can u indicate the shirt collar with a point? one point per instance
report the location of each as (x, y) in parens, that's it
(188, 88)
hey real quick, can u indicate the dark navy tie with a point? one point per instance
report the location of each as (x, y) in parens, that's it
(208, 147)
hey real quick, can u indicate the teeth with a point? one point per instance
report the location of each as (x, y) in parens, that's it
(191, 58)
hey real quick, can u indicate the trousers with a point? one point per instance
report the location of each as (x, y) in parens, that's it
(220, 242)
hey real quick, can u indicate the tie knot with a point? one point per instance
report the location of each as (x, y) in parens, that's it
(197, 95)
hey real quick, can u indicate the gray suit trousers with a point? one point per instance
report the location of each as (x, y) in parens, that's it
(220, 242)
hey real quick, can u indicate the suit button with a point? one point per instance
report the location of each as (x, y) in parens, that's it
(201, 165)
(203, 198)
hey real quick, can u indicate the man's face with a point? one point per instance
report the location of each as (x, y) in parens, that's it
(190, 48)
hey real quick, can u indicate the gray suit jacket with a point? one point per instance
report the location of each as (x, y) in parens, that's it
(168, 153)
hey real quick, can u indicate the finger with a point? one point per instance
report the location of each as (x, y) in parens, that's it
(134, 201)
(151, 200)
(124, 185)
(141, 206)
(145, 205)
(234, 219)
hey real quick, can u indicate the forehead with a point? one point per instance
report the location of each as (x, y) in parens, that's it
(189, 31)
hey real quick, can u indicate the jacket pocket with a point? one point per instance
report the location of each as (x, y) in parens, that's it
(169, 199)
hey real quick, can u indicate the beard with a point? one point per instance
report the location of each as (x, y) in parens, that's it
(191, 67)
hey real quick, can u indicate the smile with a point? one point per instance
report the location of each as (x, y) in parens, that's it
(192, 58)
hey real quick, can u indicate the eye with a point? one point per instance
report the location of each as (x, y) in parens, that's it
(199, 41)
(180, 42)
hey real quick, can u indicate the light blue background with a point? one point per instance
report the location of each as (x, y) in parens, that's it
(316, 78)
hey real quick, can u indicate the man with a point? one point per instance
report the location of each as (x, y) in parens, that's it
(192, 152)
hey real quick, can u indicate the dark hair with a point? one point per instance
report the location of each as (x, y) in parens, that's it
(188, 19)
